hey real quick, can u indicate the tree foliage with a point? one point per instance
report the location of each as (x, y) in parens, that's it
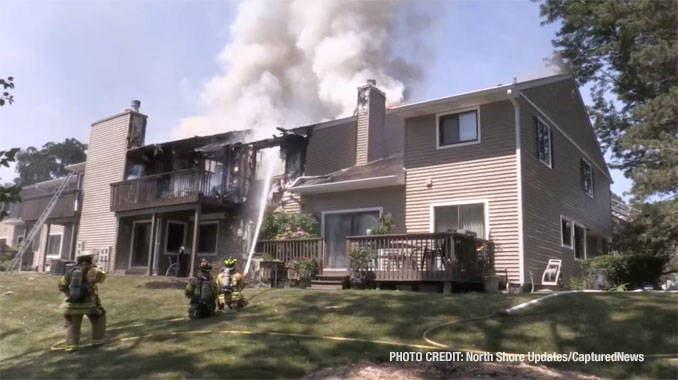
(653, 230)
(8, 193)
(628, 49)
(7, 84)
(36, 165)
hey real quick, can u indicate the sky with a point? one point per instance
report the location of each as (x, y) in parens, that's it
(75, 62)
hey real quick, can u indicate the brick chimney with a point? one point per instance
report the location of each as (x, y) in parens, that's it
(371, 113)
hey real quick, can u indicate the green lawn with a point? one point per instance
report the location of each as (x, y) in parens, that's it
(30, 322)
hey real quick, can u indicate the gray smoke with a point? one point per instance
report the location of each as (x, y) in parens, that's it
(292, 63)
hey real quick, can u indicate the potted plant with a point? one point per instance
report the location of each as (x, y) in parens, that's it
(360, 275)
(305, 269)
(272, 267)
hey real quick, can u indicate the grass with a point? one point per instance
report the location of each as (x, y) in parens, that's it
(30, 322)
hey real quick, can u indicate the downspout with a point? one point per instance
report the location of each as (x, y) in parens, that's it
(519, 185)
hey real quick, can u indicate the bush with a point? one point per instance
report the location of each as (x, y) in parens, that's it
(279, 225)
(386, 224)
(305, 269)
(621, 271)
(579, 283)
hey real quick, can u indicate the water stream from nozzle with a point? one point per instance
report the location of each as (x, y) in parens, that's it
(268, 164)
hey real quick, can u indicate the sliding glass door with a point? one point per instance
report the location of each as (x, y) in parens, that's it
(340, 225)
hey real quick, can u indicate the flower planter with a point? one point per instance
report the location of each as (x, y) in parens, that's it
(273, 272)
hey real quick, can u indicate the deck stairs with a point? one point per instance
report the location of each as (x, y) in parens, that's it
(329, 280)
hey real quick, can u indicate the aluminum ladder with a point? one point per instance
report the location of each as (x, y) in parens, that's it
(38, 225)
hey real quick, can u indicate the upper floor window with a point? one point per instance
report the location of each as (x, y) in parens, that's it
(544, 144)
(459, 128)
(587, 178)
(565, 232)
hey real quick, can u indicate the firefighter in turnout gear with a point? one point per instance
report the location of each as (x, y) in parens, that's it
(79, 285)
(202, 293)
(230, 285)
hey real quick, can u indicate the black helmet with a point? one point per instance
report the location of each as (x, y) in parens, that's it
(205, 265)
(230, 263)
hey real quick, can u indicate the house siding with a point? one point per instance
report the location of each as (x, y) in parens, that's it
(106, 158)
(485, 171)
(550, 193)
(391, 199)
(331, 148)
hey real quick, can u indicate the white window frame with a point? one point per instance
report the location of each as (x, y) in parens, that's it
(593, 185)
(216, 243)
(131, 243)
(61, 245)
(574, 251)
(548, 164)
(454, 112)
(183, 241)
(562, 244)
(486, 212)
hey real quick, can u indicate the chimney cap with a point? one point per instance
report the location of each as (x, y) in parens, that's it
(136, 104)
(373, 82)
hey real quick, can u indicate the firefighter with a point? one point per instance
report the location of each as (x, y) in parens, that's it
(202, 292)
(230, 286)
(79, 285)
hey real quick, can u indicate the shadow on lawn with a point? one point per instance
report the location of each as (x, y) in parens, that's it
(400, 317)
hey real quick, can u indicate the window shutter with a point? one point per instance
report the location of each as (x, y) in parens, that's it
(536, 135)
(553, 155)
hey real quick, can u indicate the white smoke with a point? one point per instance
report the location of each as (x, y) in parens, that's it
(295, 62)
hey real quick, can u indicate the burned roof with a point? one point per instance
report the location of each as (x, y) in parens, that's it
(199, 143)
(392, 166)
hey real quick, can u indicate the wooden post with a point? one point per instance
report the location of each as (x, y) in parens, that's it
(43, 256)
(196, 232)
(156, 243)
(447, 287)
(151, 248)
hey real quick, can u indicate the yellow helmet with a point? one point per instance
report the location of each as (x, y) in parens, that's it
(230, 262)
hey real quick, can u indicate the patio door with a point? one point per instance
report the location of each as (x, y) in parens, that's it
(340, 225)
(141, 244)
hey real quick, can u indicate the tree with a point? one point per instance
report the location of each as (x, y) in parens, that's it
(8, 193)
(6, 96)
(628, 49)
(36, 165)
(652, 230)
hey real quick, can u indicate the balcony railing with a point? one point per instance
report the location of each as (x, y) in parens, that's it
(425, 257)
(402, 257)
(66, 206)
(166, 189)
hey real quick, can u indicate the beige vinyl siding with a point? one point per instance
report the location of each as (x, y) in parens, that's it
(561, 102)
(106, 157)
(485, 171)
(331, 148)
(550, 193)
(363, 133)
(391, 199)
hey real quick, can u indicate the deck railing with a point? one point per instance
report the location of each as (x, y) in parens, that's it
(288, 251)
(66, 206)
(166, 189)
(425, 257)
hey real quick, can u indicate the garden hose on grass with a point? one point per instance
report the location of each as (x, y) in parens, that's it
(433, 345)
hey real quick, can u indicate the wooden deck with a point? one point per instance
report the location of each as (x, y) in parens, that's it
(425, 257)
(167, 189)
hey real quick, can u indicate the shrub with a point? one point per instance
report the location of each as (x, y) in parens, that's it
(305, 269)
(578, 283)
(279, 225)
(621, 271)
(386, 224)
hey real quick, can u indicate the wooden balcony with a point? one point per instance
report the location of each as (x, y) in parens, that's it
(167, 189)
(431, 257)
(66, 206)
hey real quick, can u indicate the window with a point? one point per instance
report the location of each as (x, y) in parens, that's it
(587, 178)
(469, 217)
(54, 245)
(458, 128)
(579, 242)
(176, 235)
(565, 232)
(544, 143)
(606, 246)
(207, 245)
(3, 244)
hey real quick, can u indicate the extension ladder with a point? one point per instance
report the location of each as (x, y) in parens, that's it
(38, 225)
